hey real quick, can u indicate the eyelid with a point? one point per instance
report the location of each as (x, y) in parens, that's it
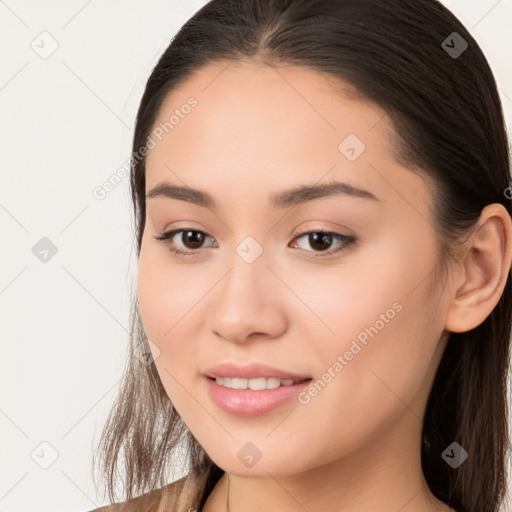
(323, 229)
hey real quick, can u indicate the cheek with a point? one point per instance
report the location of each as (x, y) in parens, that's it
(380, 295)
(386, 333)
(166, 295)
(161, 307)
(171, 306)
(152, 298)
(395, 267)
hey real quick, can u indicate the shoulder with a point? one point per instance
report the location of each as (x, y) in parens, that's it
(147, 502)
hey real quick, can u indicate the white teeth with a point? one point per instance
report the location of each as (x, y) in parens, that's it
(254, 384)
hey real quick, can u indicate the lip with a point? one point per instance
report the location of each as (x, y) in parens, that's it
(251, 371)
(248, 402)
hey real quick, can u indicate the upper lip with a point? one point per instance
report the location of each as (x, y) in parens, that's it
(251, 371)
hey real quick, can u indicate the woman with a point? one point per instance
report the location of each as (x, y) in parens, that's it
(324, 235)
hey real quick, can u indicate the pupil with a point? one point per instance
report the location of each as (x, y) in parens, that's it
(323, 238)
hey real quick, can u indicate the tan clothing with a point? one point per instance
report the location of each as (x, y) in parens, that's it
(178, 496)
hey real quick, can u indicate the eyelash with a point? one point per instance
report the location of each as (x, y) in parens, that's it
(348, 241)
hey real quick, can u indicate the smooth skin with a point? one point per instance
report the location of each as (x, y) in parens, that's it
(257, 131)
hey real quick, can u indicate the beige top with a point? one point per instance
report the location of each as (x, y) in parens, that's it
(176, 497)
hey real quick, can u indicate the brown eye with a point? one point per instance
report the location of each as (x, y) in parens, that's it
(321, 242)
(189, 244)
(192, 239)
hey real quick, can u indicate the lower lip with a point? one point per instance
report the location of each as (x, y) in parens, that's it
(248, 402)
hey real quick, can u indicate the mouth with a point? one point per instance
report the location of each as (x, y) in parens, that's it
(256, 384)
(251, 397)
(254, 388)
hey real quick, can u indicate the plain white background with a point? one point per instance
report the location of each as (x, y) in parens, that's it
(67, 122)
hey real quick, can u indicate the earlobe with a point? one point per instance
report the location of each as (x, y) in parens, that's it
(485, 268)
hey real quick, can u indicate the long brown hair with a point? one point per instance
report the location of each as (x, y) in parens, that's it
(447, 116)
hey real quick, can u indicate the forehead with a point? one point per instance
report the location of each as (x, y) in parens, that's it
(254, 101)
(254, 127)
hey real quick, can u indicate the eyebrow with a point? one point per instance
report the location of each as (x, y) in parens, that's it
(298, 195)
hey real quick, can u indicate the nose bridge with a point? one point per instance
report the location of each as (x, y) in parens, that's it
(247, 281)
(246, 301)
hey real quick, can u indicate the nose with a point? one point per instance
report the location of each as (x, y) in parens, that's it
(249, 302)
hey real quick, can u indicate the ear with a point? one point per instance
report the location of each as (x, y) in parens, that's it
(483, 270)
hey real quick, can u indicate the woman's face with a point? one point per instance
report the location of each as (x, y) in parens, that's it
(358, 314)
